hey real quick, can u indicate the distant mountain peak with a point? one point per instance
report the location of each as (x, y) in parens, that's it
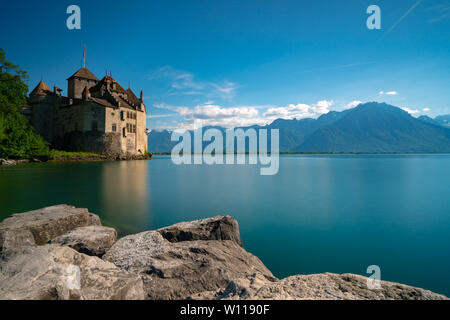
(370, 127)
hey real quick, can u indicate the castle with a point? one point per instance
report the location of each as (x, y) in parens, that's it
(96, 116)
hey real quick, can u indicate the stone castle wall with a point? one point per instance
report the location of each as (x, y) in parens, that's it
(89, 127)
(76, 86)
(141, 136)
(42, 113)
(108, 144)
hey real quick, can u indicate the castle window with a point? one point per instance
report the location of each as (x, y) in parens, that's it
(114, 127)
(94, 126)
(123, 132)
(134, 128)
(128, 127)
(122, 116)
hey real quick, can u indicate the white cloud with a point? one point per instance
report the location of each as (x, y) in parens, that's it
(426, 109)
(410, 111)
(214, 115)
(353, 104)
(389, 93)
(216, 112)
(299, 111)
(185, 83)
(240, 116)
(151, 116)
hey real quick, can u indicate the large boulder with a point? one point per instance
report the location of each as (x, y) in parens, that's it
(323, 286)
(61, 273)
(216, 228)
(177, 270)
(40, 226)
(92, 240)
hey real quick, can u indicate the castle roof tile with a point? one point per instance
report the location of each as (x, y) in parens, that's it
(84, 73)
(41, 89)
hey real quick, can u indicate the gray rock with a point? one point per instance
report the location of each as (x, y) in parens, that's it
(11, 162)
(60, 273)
(245, 288)
(216, 228)
(7, 162)
(177, 270)
(92, 240)
(325, 286)
(13, 241)
(40, 226)
(237, 289)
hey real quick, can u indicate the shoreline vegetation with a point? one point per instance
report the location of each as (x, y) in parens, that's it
(65, 156)
(197, 260)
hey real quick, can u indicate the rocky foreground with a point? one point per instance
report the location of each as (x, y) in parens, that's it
(63, 252)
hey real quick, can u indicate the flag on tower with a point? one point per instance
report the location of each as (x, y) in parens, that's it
(84, 56)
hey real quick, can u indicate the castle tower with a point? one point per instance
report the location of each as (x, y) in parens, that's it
(42, 100)
(78, 81)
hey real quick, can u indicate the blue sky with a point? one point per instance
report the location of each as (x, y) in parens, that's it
(242, 62)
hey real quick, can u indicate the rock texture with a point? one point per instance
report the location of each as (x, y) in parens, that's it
(40, 226)
(56, 273)
(323, 286)
(237, 289)
(216, 228)
(92, 240)
(181, 269)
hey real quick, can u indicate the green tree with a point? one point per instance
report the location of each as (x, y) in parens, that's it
(17, 136)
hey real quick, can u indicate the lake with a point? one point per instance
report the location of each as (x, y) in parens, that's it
(320, 213)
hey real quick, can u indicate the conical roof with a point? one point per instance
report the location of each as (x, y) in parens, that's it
(84, 73)
(41, 89)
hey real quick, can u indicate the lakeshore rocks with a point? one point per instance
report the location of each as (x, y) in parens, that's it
(38, 227)
(91, 240)
(216, 228)
(12, 162)
(54, 272)
(324, 286)
(202, 259)
(177, 270)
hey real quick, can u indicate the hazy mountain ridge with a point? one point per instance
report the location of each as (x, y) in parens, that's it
(368, 128)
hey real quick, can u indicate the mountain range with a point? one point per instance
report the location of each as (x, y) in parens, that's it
(368, 128)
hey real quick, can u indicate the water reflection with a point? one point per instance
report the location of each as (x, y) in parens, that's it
(125, 186)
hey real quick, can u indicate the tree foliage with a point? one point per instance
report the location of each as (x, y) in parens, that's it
(17, 136)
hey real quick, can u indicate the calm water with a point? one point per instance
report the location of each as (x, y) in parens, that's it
(319, 213)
